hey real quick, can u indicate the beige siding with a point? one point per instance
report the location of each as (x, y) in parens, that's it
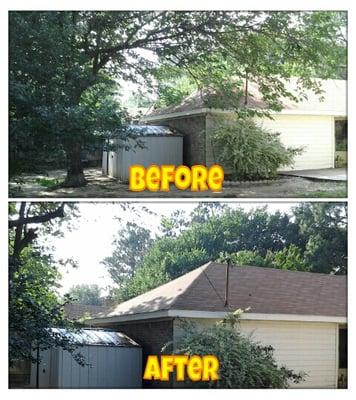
(314, 133)
(302, 346)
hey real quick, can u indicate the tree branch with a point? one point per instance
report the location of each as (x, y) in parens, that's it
(37, 219)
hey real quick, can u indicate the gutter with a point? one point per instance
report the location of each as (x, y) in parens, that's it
(214, 315)
(215, 111)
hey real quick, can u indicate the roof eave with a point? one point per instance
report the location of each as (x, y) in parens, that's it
(215, 315)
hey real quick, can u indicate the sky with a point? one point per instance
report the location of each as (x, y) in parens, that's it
(91, 240)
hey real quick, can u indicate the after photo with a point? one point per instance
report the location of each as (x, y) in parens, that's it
(178, 295)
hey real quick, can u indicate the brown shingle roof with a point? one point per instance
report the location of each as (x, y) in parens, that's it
(75, 311)
(263, 290)
(334, 102)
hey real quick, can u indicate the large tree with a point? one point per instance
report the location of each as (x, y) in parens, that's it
(324, 227)
(311, 238)
(130, 247)
(34, 304)
(61, 63)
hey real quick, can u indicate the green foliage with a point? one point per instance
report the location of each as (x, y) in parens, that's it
(290, 258)
(50, 183)
(244, 363)
(253, 152)
(173, 86)
(267, 48)
(203, 237)
(34, 304)
(324, 227)
(61, 91)
(129, 249)
(313, 238)
(86, 294)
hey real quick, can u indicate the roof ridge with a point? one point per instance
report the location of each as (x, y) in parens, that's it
(201, 269)
(282, 270)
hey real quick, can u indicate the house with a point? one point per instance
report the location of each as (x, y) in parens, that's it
(309, 124)
(301, 314)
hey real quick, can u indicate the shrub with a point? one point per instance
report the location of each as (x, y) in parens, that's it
(252, 152)
(243, 362)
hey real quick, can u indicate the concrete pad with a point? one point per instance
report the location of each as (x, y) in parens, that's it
(327, 174)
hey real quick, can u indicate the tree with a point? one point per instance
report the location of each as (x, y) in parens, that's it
(266, 48)
(129, 249)
(244, 363)
(290, 258)
(86, 294)
(54, 83)
(324, 226)
(51, 79)
(34, 304)
(312, 238)
(203, 237)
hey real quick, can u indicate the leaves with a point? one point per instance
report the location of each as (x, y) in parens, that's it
(244, 363)
(312, 238)
(251, 151)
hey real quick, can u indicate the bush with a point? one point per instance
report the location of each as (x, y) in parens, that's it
(243, 362)
(253, 152)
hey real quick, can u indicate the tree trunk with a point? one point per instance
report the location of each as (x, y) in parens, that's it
(75, 175)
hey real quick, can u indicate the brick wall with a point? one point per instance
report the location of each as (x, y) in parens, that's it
(193, 129)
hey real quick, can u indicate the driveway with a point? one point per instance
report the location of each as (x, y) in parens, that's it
(100, 186)
(327, 174)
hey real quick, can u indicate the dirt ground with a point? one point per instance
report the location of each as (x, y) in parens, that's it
(100, 186)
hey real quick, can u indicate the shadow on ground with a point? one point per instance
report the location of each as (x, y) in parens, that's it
(101, 186)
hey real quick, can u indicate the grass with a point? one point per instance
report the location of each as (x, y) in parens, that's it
(334, 193)
(49, 183)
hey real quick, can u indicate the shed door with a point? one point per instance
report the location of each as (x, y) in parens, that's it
(301, 346)
(44, 370)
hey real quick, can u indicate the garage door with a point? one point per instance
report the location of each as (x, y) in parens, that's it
(314, 133)
(309, 347)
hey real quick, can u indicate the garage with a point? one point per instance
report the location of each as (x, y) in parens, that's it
(308, 124)
(313, 134)
(310, 347)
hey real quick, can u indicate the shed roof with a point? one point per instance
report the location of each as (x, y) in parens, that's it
(150, 130)
(95, 337)
(262, 290)
(334, 102)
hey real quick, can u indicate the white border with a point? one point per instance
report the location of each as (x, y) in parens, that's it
(5, 5)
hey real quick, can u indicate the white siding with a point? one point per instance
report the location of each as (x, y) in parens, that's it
(157, 150)
(110, 367)
(314, 133)
(302, 346)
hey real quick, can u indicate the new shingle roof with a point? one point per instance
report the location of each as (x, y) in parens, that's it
(262, 290)
(334, 102)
